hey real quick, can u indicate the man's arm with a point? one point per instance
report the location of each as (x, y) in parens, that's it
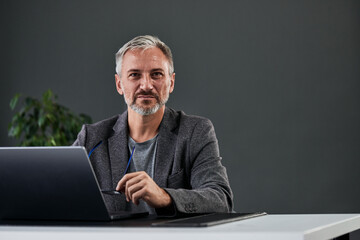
(210, 189)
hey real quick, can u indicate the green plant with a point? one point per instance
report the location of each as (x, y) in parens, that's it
(44, 122)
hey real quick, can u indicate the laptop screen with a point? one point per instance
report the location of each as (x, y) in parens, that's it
(49, 183)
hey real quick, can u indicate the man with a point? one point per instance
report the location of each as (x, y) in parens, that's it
(163, 160)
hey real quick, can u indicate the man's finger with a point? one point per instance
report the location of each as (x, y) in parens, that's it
(121, 184)
(131, 189)
(136, 196)
(123, 180)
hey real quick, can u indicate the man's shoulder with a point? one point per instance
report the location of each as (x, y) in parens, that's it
(103, 128)
(104, 123)
(184, 120)
(193, 129)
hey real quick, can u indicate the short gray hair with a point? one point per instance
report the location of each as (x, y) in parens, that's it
(144, 42)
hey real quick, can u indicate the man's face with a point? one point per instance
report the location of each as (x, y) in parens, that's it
(145, 81)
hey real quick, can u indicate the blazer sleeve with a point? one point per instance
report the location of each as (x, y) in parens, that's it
(209, 185)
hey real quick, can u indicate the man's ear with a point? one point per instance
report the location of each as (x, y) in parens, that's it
(172, 83)
(118, 84)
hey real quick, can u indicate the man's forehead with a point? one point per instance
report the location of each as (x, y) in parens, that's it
(140, 58)
(151, 53)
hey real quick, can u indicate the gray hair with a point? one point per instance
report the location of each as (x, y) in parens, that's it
(144, 42)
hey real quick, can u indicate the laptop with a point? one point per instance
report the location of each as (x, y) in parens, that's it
(51, 183)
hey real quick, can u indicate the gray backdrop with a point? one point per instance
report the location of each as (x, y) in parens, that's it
(279, 80)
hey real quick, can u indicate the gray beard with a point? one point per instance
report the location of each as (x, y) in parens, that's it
(147, 111)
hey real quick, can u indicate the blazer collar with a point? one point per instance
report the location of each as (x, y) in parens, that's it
(118, 148)
(165, 148)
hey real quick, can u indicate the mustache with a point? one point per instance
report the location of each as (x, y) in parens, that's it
(147, 93)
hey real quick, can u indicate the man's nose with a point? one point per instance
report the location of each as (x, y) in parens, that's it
(146, 83)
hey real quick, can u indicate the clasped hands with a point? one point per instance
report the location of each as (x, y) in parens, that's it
(139, 185)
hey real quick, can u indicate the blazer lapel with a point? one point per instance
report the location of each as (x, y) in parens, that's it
(165, 149)
(118, 149)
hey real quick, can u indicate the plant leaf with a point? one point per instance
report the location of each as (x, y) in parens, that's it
(47, 95)
(41, 120)
(15, 131)
(14, 101)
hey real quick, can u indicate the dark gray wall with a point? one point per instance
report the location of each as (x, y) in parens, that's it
(279, 80)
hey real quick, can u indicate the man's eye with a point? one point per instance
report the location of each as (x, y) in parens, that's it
(133, 75)
(157, 74)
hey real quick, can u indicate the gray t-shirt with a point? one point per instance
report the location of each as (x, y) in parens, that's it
(143, 159)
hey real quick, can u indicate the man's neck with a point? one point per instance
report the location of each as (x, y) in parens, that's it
(144, 127)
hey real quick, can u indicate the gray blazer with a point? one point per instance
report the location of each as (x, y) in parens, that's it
(187, 164)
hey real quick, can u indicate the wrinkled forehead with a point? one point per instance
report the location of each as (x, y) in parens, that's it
(145, 59)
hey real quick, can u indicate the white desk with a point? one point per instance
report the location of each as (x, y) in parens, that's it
(280, 227)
